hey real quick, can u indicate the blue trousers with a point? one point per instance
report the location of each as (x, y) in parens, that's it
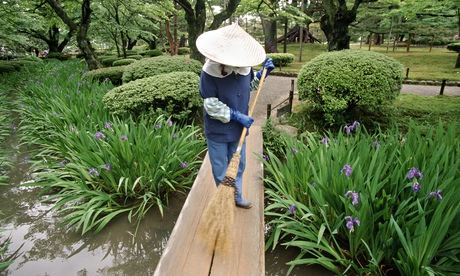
(220, 155)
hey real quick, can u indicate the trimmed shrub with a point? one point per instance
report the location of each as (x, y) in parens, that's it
(108, 60)
(160, 65)
(174, 94)
(131, 52)
(59, 56)
(345, 82)
(183, 51)
(454, 47)
(125, 61)
(114, 74)
(152, 53)
(135, 57)
(281, 59)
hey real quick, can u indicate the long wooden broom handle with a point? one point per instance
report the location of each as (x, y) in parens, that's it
(251, 110)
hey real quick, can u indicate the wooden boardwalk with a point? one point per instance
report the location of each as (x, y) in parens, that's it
(185, 254)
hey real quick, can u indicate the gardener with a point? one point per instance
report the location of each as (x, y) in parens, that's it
(225, 85)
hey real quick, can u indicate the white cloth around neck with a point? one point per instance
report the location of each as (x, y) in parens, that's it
(214, 69)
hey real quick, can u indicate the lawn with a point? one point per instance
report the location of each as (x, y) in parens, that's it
(435, 65)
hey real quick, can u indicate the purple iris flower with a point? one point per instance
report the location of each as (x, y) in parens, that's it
(414, 172)
(169, 122)
(354, 196)
(99, 135)
(93, 172)
(351, 127)
(325, 140)
(266, 158)
(108, 125)
(124, 138)
(348, 129)
(437, 195)
(355, 125)
(292, 209)
(183, 165)
(351, 222)
(347, 170)
(416, 187)
(108, 167)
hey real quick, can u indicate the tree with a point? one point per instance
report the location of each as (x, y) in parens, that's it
(456, 48)
(196, 19)
(37, 22)
(81, 27)
(336, 20)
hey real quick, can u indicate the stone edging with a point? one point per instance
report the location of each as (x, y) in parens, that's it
(405, 81)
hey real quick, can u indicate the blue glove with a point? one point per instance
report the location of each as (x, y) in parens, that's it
(245, 120)
(268, 63)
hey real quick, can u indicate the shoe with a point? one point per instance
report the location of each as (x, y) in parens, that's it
(244, 204)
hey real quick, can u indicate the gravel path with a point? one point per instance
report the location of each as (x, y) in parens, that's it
(276, 89)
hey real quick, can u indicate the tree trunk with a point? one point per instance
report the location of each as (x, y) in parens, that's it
(457, 64)
(285, 34)
(408, 42)
(172, 48)
(270, 38)
(335, 23)
(195, 27)
(336, 34)
(131, 43)
(82, 36)
(175, 39)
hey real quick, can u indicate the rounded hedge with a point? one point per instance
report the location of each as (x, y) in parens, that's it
(108, 60)
(114, 74)
(339, 83)
(152, 53)
(125, 61)
(454, 47)
(183, 51)
(281, 59)
(135, 57)
(175, 94)
(160, 65)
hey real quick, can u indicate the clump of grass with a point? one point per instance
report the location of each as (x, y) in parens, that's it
(95, 166)
(363, 204)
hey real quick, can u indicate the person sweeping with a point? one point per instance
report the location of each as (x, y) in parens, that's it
(226, 81)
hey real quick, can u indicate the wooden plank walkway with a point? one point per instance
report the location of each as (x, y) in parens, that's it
(186, 255)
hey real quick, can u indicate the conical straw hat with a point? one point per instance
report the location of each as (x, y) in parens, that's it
(232, 46)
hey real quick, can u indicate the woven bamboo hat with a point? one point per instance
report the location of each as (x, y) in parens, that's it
(231, 45)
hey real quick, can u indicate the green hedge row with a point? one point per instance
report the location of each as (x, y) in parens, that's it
(114, 74)
(159, 65)
(125, 61)
(281, 59)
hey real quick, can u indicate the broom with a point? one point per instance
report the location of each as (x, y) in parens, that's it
(218, 216)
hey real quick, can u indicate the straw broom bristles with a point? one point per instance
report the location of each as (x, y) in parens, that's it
(218, 216)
